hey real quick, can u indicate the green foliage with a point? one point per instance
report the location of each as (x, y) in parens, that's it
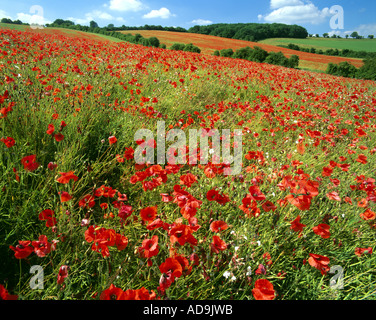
(368, 71)
(333, 51)
(227, 53)
(251, 31)
(185, 47)
(191, 48)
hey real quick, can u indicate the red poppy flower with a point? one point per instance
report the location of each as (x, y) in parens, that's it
(171, 265)
(268, 206)
(22, 250)
(212, 194)
(51, 166)
(65, 196)
(112, 293)
(218, 226)
(63, 273)
(112, 140)
(256, 194)
(30, 163)
(41, 247)
(297, 226)
(333, 196)
(363, 203)
(263, 290)
(59, 137)
(362, 159)
(129, 153)
(48, 216)
(188, 179)
(121, 242)
(302, 202)
(4, 294)
(9, 142)
(182, 234)
(249, 206)
(148, 214)
(368, 215)
(319, 262)
(50, 129)
(218, 244)
(87, 201)
(327, 171)
(140, 294)
(66, 177)
(149, 249)
(166, 197)
(322, 230)
(125, 211)
(360, 251)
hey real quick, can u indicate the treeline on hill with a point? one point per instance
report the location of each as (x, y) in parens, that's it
(10, 21)
(345, 69)
(258, 54)
(333, 52)
(94, 28)
(251, 31)
(60, 23)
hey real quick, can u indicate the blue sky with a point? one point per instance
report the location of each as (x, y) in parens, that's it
(315, 15)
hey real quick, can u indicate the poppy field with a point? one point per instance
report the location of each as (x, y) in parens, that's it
(81, 220)
(208, 44)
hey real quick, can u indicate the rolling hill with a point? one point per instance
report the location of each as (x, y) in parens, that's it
(208, 44)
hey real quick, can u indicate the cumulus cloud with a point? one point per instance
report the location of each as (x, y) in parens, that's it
(295, 12)
(3, 14)
(162, 13)
(125, 5)
(32, 18)
(366, 29)
(201, 22)
(96, 15)
(275, 4)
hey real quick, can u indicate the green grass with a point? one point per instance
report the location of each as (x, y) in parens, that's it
(327, 43)
(14, 26)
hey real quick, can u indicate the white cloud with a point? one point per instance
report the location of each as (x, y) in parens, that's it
(295, 12)
(96, 15)
(366, 29)
(275, 4)
(126, 5)
(201, 22)
(32, 18)
(3, 14)
(162, 13)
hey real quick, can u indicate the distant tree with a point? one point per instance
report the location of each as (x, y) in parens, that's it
(293, 61)
(326, 35)
(317, 35)
(154, 42)
(354, 35)
(93, 24)
(178, 46)
(277, 58)
(192, 48)
(371, 36)
(227, 53)
(347, 36)
(216, 53)
(6, 20)
(258, 54)
(368, 71)
(334, 36)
